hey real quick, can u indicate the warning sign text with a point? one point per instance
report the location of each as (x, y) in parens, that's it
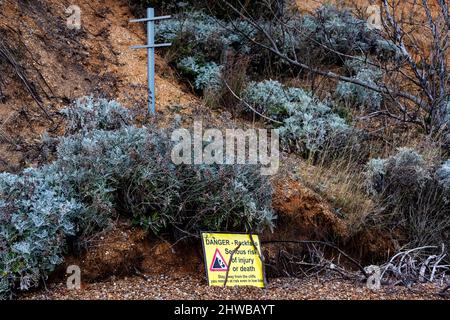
(234, 258)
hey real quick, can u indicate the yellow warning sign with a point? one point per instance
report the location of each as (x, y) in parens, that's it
(234, 258)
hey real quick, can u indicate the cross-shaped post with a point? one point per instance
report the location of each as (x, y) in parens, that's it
(150, 46)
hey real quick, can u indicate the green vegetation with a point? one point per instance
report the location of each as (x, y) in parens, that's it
(106, 167)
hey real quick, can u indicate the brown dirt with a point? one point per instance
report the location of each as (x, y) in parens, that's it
(372, 245)
(179, 259)
(114, 252)
(302, 214)
(168, 286)
(64, 65)
(125, 250)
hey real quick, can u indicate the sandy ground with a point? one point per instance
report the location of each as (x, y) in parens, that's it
(162, 287)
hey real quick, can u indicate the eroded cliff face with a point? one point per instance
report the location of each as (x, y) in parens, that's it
(51, 65)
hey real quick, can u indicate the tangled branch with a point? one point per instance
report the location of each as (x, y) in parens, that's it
(421, 264)
(6, 55)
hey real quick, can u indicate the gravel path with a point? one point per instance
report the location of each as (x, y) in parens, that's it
(195, 288)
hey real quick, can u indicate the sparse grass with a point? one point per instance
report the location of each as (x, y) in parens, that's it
(341, 184)
(338, 177)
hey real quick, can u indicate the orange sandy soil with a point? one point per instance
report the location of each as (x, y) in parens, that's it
(65, 65)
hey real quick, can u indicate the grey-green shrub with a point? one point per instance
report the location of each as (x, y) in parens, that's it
(130, 169)
(309, 132)
(89, 114)
(206, 76)
(357, 95)
(268, 97)
(36, 216)
(443, 176)
(230, 197)
(205, 32)
(447, 124)
(406, 168)
(105, 168)
(120, 169)
(328, 35)
(200, 41)
(307, 123)
(411, 196)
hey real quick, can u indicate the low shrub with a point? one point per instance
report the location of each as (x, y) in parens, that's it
(89, 114)
(206, 76)
(307, 123)
(359, 96)
(36, 217)
(269, 97)
(205, 36)
(387, 175)
(446, 142)
(308, 132)
(200, 43)
(325, 37)
(233, 76)
(229, 197)
(412, 196)
(328, 35)
(345, 33)
(106, 167)
(122, 171)
(443, 176)
(130, 170)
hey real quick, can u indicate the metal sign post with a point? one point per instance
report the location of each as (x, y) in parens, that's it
(150, 46)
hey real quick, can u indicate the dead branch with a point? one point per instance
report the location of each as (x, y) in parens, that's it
(6, 54)
(249, 106)
(416, 89)
(419, 264)
(332, 246)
